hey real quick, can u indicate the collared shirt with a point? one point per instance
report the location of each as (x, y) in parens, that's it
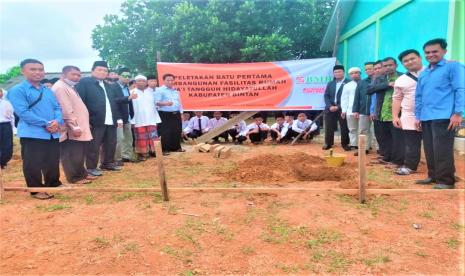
(75, 113)
(6, 112)
(440, 91)
(373, 104)
(299, 126)
(338, 85)
(253, 126)
(184, 124)
(194, 124)
(347, 97)
(124, 88)
(404, 92)
(214, 123)
(165, 94)
(145, 113)
(281, 128)
(33, 121)
(386, 109)
(241, 128)
(108, 113)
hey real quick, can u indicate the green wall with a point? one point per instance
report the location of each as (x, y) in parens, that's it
(378, 29)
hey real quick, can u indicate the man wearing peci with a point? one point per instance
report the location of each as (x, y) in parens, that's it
(99, 98)
(332, 115)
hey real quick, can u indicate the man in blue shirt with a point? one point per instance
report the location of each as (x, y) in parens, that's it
(38, 128)
(170, 108)
(439, 106)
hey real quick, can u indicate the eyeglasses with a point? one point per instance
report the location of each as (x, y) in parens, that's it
(126, 75)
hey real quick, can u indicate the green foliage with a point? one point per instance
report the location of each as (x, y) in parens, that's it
(211, 31)
(10, 73)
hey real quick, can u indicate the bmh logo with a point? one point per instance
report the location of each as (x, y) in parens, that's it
(312, 79)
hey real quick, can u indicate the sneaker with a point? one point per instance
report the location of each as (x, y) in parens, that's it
(119, 163)
(404, 171)
(110, 168)
(443, 186)
(94, 172)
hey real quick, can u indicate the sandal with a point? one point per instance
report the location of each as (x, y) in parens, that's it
(42, 196)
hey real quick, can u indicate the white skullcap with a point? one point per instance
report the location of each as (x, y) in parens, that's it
(354, 69)
(140, 77)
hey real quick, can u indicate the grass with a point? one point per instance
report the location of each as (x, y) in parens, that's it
(191, 229)
(89, 199)
(376, 260)
(385, 177)
(123, 196)
(63, 198)
(247, 250)
(452, 243)
(338, 262)
(322, 237)
(426, 214)
(278, 231)
(131, 247)
(222, 230)
(288, 268)
(101, 242)
(52, 208)
(457, 226)
(374, 205)
(421, 254)
(182, 255)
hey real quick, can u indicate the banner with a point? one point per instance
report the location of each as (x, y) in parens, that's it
(261, 86)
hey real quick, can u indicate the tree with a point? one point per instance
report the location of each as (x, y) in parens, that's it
(10, 73)
(212, 31)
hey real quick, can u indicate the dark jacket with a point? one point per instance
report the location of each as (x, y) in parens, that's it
(362, 100)
(330, 91)
(93, 96)
(125, 106)
(379, 86)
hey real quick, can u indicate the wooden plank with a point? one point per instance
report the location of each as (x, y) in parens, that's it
(230, 123)
(161, 170)
(362, 170)
(238, 190)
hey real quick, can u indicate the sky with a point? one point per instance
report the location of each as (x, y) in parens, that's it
(56, 32)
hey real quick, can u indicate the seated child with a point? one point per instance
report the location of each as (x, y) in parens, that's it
(185, 121)
(238, 132)
(217, 121)
(279, 129)
(301, 124)
(257, 131)
(197, 126)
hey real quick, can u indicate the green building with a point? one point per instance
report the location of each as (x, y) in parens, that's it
(368, 30)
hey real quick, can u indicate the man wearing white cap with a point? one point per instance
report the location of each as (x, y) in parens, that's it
(145, 118)
(347, 102)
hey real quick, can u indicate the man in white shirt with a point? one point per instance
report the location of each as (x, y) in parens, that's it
(7, 122)
(257, 131)
(198, 125)
(186, 116)
(301, 126)
(145, 118)
(239, 131)
(347, 102)
(279, 129)
(217, 121)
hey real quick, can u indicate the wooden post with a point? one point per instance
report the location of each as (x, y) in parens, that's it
(362, 174)
(2, 190)
(161, 170)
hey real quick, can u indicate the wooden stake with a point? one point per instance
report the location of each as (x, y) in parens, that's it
(161, 170)
(1, 186)
(362, 174)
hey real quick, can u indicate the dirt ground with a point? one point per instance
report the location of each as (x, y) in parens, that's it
(236, 233)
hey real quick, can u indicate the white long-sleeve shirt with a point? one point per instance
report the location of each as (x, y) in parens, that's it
(241, 128)
(347, 97)
(299, 126)
(284, 128)
(253, 126)
(214, 123)
(194, 124)
(6, 112)
(145, 113)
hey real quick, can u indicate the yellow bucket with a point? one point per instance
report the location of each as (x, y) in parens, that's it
(335, 160)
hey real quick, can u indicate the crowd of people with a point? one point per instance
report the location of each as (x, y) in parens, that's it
(97, 123)
(424, 104)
